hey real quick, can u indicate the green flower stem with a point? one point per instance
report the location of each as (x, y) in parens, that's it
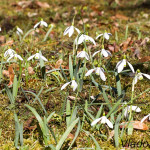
(75, 102)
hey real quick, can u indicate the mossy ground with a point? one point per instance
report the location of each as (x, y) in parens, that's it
(97, 16)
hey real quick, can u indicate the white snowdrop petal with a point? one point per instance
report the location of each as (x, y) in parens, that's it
(71, 30)
(66, 30)
(136, 109)
(10, 57)
(95, 53)
(131, 67)
(106, 36)
(77, 30)
(44, 23)
(120, 66)
(31, 57)
(99, 36)
(64, 86)
(74, 85)
(103, 120)
(18, 56)
(95, 121)
(89, 72)
(102, 75)
(36, 25)
(146, 75)
(135, 79)
(42, 57)
(109, 124)
(104, 53)
(19, 30)
(126, 112)
(145, 118)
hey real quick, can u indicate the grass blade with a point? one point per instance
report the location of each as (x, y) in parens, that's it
(64, 136)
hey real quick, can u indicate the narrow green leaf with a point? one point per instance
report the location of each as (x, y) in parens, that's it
(96, 143)
(15, 87)
(70, 67)
(65, 135)
(118, 83)
(48, 32)
(76, 135)
(68, 113)
(49, 117)
(27, 33)
(99, 112)
(9, 94)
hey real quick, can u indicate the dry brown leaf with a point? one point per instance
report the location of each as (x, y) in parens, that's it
(11, 75)
(122, 17)
(24, 4)
(58, 63)
(113, 48)
(85, 20)
(9, 43)
(31, 71)
(42, 4)
(145, 59)
(2, 39)
(70, 136)
(5, 73)
(125, 44)
(136, 125)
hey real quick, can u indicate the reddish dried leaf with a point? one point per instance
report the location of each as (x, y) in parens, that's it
(136, 125)
(2, 39)
(31, 71)
(43, 4)
(145, 59)
(71, 136)
(9, 43)
(5, 73)
(125, 44)
(122, 17)
(11, 75)
(58, 63)
(145, 41)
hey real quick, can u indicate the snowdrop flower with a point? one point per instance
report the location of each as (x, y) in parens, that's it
(121, 64)
(15, 56)
(103, 120)
(98, 71)
(41, 23)
(37, 56)
(105, 35)
(9, 52)
(73, 85)
(83, 54)
(134, 108)
(19, 31)
(81, 38)
(148, 116)
(139, 76)
(70, 30)
(104, 52)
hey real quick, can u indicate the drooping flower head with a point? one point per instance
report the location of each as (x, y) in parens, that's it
(9, 52)
(19, 31)
(37, 56)
(83, 54)
(41, 23)
(105, 35)
(103, 120)
(139, 76)
(15, 56)
(84, 38)
(74, 85)
(98, 71)
(121, 64)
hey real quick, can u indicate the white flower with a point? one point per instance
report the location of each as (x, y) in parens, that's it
(121, 64)
(73, 85)
(0, 29)
(83, 54)
(15, 56)
(83, 38)
(134, 108)
(70, 30)
(104, 52)
(41, 23)
(37, 56)
(98, 71)
(106, 35)
(148, 116)
(9, 52)
(139, 76)
(103, 120)
(19, 31)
